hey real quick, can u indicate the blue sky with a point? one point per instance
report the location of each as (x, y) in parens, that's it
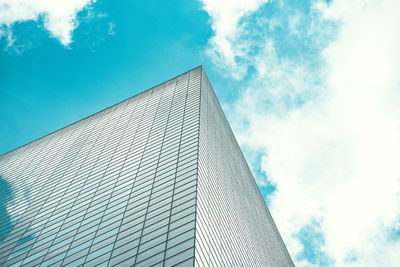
(310, 88)
(46, 85)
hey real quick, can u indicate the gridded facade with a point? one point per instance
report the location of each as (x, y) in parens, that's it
(233, 224)
(156, 180)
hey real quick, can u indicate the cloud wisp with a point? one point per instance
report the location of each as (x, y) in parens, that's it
(59, 17)
(225, 16)
(322, 109)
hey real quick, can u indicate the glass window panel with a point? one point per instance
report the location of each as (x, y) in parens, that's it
(178, 258)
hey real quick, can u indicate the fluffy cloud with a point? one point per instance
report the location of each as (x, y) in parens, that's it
(225, 15)
(59, 17)
(323, 110)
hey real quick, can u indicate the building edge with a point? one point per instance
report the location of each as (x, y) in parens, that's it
(88, 116)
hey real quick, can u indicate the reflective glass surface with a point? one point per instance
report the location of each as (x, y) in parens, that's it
(116, 188)
(233, 224)
(156, 180)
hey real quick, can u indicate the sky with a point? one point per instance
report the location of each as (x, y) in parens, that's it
(310, 88)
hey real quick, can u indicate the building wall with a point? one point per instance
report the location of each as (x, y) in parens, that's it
(157, 179)
(233, 224)
(118, 187)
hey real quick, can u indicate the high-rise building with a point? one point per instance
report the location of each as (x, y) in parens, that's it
(156, 180)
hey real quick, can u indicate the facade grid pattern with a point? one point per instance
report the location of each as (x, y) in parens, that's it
(233, 224)
(136, 184)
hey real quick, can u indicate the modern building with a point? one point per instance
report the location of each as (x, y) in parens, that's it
(156, 180)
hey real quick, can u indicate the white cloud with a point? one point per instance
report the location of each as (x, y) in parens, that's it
(327, 124)
(59, 17)
(225, 16)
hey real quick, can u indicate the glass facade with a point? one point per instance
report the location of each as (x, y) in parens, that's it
(233, 224)
(156, 180)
